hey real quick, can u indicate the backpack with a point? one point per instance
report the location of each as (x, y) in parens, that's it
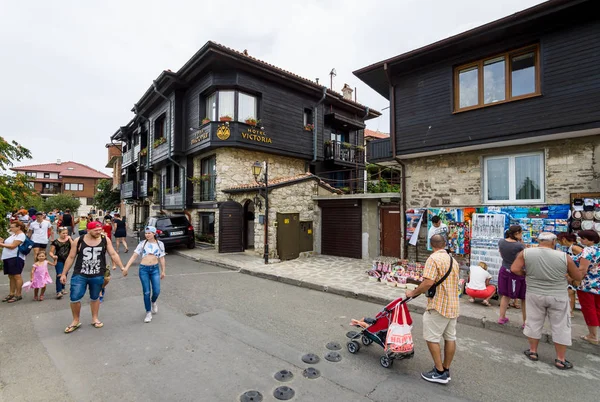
(26, 246)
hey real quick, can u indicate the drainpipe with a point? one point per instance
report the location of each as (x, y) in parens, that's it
(316, 120)
(169, 140)
(403, 242)
(364, 144)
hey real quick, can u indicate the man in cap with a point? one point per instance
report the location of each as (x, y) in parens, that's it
(39, 231)
(90, 251)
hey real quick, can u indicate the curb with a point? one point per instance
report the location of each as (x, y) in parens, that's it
(492, 325)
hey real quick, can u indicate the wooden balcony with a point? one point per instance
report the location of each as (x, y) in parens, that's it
(128, 190)
(143, 188)
(379, 150)
(127, 158)
(344, 153)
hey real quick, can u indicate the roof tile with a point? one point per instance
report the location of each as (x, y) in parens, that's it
(65, 169)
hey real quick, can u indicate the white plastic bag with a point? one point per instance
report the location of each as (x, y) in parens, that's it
(399, 336)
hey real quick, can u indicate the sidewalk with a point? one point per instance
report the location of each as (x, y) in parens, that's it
(347, 277)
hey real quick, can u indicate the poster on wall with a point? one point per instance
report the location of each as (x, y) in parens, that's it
(414, 218)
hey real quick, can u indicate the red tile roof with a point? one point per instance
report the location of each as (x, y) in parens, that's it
(279, 182)
(375, 134)
(65, 169)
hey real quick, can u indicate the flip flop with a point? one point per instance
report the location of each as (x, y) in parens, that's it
(97, 324)
(564, 365)
(590, 340)
(531, 355)
(72, 328)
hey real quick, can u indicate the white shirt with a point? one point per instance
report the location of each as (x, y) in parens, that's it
(145, 248)
(6, 253)
(477, 277)
(40, 231)
(441, 230)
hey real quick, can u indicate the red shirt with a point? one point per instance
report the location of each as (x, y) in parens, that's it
(108, 230)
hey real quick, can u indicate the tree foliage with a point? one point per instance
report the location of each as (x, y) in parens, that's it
(382, 186)
(106, 198)
(62, 202)
(14, 188)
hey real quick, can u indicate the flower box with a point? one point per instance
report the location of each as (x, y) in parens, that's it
(205, 121)
(225, 118)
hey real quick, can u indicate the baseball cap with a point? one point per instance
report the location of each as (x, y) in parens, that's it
(39, 213)
(94, 225)
(150, 229)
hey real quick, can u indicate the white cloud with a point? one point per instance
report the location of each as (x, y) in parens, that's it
(72, 70)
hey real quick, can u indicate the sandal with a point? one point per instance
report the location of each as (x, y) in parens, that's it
(486, 303)
(98, 324)
(15, 299)
(41, 298)
(590, 340)
(564, 365)
(7, 298)
(59, 295)
(471, 300)
(533, 356)
(72, 328)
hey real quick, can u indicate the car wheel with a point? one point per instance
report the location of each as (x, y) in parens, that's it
(191, 244)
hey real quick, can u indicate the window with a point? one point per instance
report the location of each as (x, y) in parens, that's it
(223, 103)
(160, 127)
(176, 179)
(208, 173)
(46, 175)
(502, 78)
(227, 104)
(74, 187)
(514, 178)
(89, 201)
(308, 117)
(206, 227)
(339, 136)
(168, 180)
(246, 107)
(31, 174)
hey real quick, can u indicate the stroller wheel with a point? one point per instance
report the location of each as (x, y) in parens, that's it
(386, 362)
(366, 341)
(353, 347)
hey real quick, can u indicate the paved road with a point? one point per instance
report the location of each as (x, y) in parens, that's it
(220, 333)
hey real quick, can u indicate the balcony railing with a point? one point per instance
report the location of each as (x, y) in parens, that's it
(173, 200)
(143, 185)
(136, 152)
(51, 190)
(128, 190)
(343, 152)
(127, 157)
(205, 190)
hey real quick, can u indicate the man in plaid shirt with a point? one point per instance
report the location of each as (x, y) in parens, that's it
(439, 319)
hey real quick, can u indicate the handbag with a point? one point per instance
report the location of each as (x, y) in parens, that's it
(432, 290)
(399, 336)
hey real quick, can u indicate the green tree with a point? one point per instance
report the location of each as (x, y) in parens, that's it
(14, 188)
(62, 202)
(106, 198)
(34, 200)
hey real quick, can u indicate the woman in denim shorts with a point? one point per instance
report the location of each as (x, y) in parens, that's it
(153, 254)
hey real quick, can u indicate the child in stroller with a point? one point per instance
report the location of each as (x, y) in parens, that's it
(375, 330)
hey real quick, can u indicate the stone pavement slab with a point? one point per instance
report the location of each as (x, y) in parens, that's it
(347, 277)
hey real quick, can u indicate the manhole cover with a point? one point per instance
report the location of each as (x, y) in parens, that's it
(333, 346)
(333, 356)
(310, 358)
(251, 396)
(284, 393)
(191, 314)
(311, 373)
(284, 375)
(351, 334)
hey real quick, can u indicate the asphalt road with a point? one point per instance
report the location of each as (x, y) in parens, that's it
(220, 333)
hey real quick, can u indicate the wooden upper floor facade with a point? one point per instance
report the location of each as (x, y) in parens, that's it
(225, 98)
(529, 77)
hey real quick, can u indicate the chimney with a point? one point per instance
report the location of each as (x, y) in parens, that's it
(347, 92)
(58, 162)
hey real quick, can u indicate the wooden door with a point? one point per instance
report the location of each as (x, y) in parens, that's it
(391, 231)
(288, 236)
(231, 226)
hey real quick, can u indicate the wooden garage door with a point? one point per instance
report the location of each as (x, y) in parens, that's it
(341, 228)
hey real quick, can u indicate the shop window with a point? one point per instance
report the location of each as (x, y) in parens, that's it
(514, 178)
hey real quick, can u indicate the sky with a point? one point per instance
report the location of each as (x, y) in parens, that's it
(72, 70)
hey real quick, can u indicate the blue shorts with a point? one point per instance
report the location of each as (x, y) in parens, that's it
(80, 283)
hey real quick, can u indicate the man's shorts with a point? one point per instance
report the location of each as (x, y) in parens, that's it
(43, 246)
(79, 284)
(436, 327)
(558, 311)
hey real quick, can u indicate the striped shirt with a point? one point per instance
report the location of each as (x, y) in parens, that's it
(445, 301)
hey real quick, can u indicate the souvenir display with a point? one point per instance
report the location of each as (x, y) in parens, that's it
(395, 272)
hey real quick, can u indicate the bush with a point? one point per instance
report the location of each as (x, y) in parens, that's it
(62, 202)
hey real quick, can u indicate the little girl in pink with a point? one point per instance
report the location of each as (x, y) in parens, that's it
(39, 275)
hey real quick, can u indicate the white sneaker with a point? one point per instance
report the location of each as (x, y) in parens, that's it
(148, 317)
(154, 308)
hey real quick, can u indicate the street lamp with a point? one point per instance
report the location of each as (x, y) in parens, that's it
(256, 170)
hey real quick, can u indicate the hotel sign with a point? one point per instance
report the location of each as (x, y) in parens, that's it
(200, 136)
(254, 134)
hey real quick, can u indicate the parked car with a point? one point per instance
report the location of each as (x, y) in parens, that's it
(172, 230)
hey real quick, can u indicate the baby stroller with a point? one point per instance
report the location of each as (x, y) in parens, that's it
(375, 330)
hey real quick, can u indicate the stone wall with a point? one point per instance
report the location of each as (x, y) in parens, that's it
(455, 180)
